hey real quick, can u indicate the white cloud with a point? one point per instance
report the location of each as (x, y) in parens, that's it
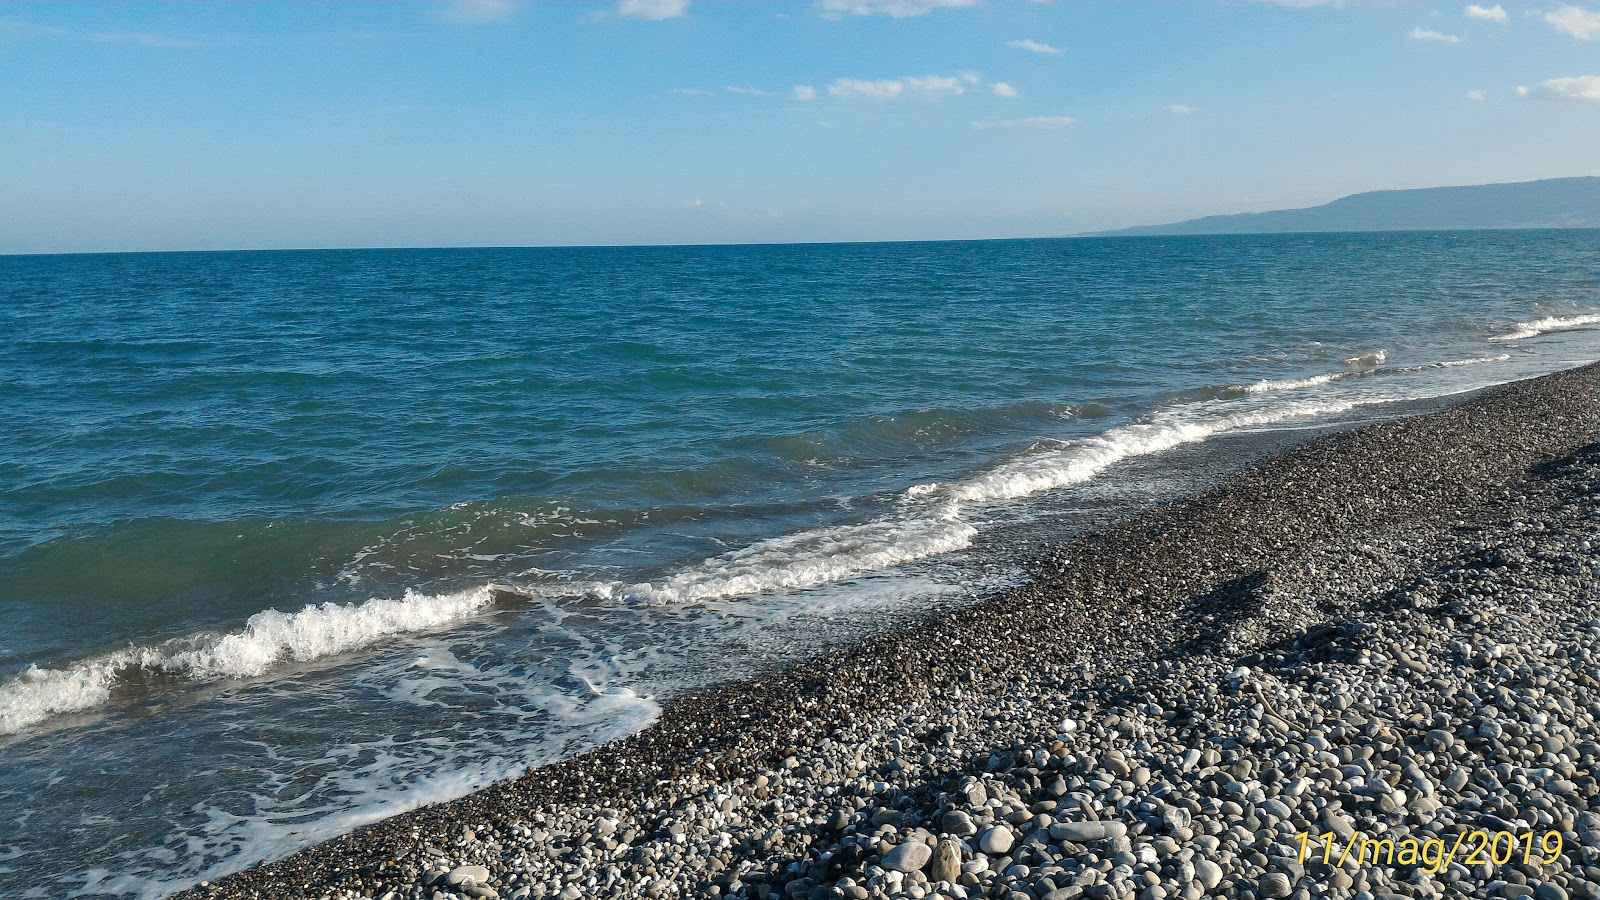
(652, 10)
(477, 12)
(803, 92)
(1495, 13)
(1030, 122)
(753, 92)
(1002, 89)
(1428, 34)
(1181, 109)
(1583, 24)
(882, 88)
(1577, 87)
(898, 9)
(889, 88)
(691, 92)
(1477, 96)
(1033, 46)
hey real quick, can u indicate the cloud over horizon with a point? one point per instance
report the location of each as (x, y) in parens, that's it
(1577, 87)
(1049, 122)
(890, 88)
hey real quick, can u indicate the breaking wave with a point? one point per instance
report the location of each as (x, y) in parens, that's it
(268, 638)
(1550, 323)
(1368, 360)
(1293, 384)
(931, 519)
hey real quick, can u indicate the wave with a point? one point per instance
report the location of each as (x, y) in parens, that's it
(1476, 361)
(1293, 384)
(1550, 323)
(1368, 360)
(1078, 461)
(267, 639)
(930, 520)
(804, 560)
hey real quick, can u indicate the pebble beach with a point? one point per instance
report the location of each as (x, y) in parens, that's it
(1390, 633)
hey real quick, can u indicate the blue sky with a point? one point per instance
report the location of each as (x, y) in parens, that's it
(129, 126)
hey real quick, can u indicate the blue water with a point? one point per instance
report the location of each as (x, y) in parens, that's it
(671, 454)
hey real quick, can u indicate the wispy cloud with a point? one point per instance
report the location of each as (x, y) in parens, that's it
(897, 9)
(1428, 34)
(1003, 89)
(477, 12)
(147, 39)
(1583, 24)
(890, 88)
(692, 92)
(1477, 96)
(750, 91)
(1181, 109)
(1049, 122)
(1577, 87)
(1033, 46)
(804, 92)
(652, 10)
(1495, 13)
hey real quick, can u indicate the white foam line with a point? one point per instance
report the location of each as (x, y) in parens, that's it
(1294, 384)
(1540, 326)
(1079, 461)
(1450, 364)
(1368, 360)
(267, 639)
(805, 560)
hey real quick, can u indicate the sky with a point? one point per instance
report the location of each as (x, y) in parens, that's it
(209, 125)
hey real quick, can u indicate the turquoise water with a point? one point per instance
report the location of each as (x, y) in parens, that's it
(252, 504)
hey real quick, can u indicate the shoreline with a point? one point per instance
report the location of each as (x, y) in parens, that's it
(1121, 601)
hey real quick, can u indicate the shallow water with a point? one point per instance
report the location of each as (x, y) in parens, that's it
(253, 502)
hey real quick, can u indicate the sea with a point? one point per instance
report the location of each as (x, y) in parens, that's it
(294, 541)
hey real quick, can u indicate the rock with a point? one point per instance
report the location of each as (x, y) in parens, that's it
(1549, 890)
(996, 840)
(1207, 873)
(957, 823)
(461, 875)
(1087, 832)
(1275, 884)
(909, 857)
(947, 862)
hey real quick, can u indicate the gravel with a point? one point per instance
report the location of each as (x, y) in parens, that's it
(1390, 632)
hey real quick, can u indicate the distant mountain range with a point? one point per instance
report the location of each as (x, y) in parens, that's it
(1551, 203)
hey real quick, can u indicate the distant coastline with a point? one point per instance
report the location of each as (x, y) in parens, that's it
(1548, 203)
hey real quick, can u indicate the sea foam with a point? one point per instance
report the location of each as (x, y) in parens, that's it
(267, 639)
(1550, 323)
(1293, 384)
